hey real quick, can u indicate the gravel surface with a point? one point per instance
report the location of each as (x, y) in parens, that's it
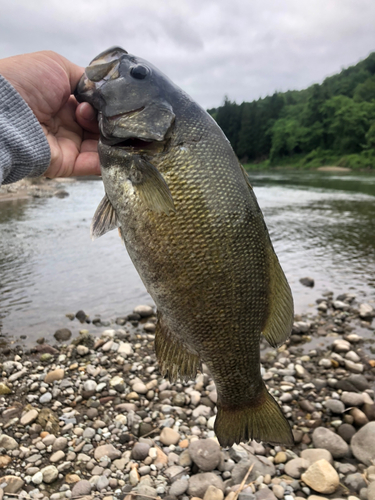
(91, 417)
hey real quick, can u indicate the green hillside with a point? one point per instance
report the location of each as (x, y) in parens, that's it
(328, 124)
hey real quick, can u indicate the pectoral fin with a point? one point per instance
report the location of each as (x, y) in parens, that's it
(151, 186)
(104, 219)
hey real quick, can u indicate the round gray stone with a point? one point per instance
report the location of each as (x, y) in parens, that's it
(327, 439)
(205, 453)
(363, 444)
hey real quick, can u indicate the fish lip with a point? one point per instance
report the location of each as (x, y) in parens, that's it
(131, 145)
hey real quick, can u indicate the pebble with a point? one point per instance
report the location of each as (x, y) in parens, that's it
(179, 487)
(8, 442)
(106, 450)
(13, 483)
(312, 455)
(50, 474)
(81, 488)
(45, 398)
(329, 440)
(205, 453)
(295, 467)
(54, 375)
(140, 451)
(363, 444)
(213, 493)
(169, 436)
(199, 483)
(321, 477)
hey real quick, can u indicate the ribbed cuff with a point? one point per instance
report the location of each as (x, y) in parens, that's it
(24, 149)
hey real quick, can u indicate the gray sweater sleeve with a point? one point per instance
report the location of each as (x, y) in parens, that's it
(24, 150)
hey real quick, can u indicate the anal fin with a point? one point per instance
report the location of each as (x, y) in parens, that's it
(280, 319)
(175, 361)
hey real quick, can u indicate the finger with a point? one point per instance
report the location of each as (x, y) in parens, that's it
(86, 117)
(87, 164)
(89, 146)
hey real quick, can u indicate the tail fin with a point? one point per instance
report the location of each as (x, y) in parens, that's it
(263, 422)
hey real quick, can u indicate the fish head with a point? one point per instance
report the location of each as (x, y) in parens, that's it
(131, 97)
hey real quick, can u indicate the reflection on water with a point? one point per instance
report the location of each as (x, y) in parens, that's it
(322, 225)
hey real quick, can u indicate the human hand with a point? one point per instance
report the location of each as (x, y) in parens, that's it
(46, 81)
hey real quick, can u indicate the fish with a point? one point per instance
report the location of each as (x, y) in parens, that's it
(193, 228)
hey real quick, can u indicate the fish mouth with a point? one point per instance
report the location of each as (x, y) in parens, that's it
(134, 145)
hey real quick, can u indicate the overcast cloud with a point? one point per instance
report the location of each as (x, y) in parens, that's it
(246, 49)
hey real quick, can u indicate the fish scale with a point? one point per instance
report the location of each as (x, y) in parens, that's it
(206, 260)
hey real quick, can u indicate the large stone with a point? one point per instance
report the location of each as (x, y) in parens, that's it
(261, 467)
(60, 444)
(179, 487)
(169, 436)
(205, 453)
(140, 451)
(144, 311)
(54, 375)
(81, 488)
(63, 334)
(295, 467)
(13, 483)
(50, 473)
(321, 477)
(213, 493)
(327, 439)
(8, 442)
(263, 494)
(335, 406)
(107, 450)
(363, 444)
(371, 491)
(352, 398)
(29, 417)
(314, 454)
(199, 483)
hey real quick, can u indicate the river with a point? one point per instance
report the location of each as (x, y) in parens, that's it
(322, 225)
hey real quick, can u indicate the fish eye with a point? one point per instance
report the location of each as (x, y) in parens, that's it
(139, 72)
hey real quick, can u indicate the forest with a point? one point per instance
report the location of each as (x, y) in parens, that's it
(332, 123)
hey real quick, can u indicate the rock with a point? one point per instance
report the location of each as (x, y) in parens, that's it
(262, 466)
(205, 453)
(45, 398)
(60, 444)
(312, 455)
(37, 478)
(369, 411)
(140, 451)
(13, 483)
(264, 494)
(346, 431)
(363, 444)
(134, 477)
(280, 458)
(199, 483)
(57, 456)
(8, 443)
(140, 388)
(117, 383)
(4, 389)
(278, 491)
(81, 488)
(81, 316)
(82, 350)
(309, 282)
(106, 450)
(352, 398)
(295, 467)
(29, 417)
(366, 311)
(102, 483)
(335, 406)
(54, 375)
(359, 417)
(169, 436)
(355, 481)
(213, 493)
(327, 439)
(321, 477)
(179, 487)
(143, 311)
(62, 335)
(125, 349)
(371, 491)
(145, 492)
(50, 473)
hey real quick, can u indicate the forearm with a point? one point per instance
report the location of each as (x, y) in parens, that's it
(24, 150)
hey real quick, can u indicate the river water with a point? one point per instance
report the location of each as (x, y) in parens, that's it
(322, 225)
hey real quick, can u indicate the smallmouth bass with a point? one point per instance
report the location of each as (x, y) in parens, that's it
(196, 235)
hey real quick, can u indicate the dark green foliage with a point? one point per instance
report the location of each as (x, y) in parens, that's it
(330, 123)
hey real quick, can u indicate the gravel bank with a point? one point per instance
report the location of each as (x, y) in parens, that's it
(91, 417)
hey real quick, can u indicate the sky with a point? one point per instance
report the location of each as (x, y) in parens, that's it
(245, 49)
